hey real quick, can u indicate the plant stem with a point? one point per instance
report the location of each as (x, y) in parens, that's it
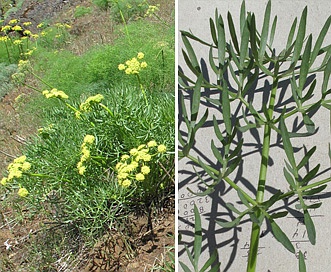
(256, 227)
(255, 232)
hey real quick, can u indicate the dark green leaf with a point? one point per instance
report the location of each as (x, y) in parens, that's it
(302, 265)
(221, 42)
(326, 76)
(195, 103)
(197, 236)
(242, 17)
(202, 121)
(281, 236)
(237, 150)
(233, 74)
(217, 153)
(300, 36)
(273, 30)
(226, 109)
(306, 158)
(279, 215)
(205, 192)
(217, 130)
(304, 67)
(233, 165)
(314, 206)
(252, 31)
(310, 227)
(244, 46)
(190, 256)
(183, 78)
(212, 63)
(310, 126)
(233, 33)
(265, 31)
(207, 169)
(247, 127)
(291, 34)
(191, 53)
(310, 175)
(250, 81)
(319, 41)
(243, 199)
(184, 267)
(233, 55)
(232, 208)
(314, 191)
(289, 178)
(288, 146)
(213, 30)
(231, 224)
(191, 36)
(210, 262)
(267, 204)
(190, 65)
(309, 93)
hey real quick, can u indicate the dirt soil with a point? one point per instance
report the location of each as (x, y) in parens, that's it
(139, 248)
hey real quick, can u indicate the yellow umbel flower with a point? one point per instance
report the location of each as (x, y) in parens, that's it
(55, 93)
(161, 148)
(6, 28)
(22, 192)
(90, 101)
(89, 139)
(145, 170)
(151, 144)
(140, 177)
(13, 21)
(4, 181)
(133, 66)
(17, 28)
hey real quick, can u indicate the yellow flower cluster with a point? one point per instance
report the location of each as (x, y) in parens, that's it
(55, 93)
(16, 170)
(23, 65)
(85, 149)
(87, 105)
(133, 167)
(60, 25)
(22, 192)
(46, 131)
(133, 66)
(151, 10)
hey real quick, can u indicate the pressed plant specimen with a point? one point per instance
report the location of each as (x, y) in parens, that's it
(238, 66)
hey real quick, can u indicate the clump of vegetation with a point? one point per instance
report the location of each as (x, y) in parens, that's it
(105, 144)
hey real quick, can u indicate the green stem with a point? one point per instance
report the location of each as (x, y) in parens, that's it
(142, 89)
(256, 228)
(124, 22)
(107, 109)
(255, 232)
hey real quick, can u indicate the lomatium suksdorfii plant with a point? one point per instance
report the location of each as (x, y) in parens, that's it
(86, 154)
(16, 169)
(133, 67)
(17, 35)
(152, 11)
(239, 64)
(134, 168)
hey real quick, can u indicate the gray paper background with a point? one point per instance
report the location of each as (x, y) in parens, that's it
(232, 245)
